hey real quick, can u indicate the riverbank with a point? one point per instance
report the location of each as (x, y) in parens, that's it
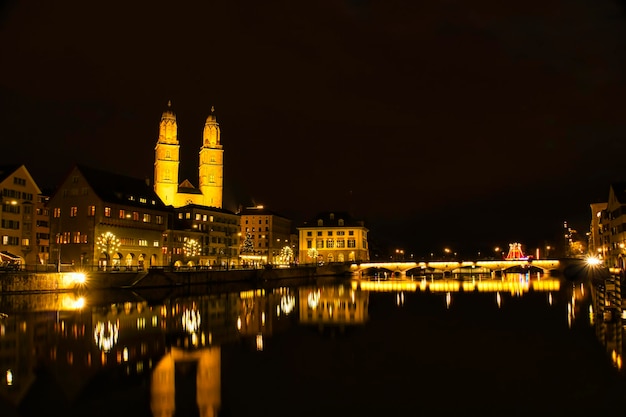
(24, 282)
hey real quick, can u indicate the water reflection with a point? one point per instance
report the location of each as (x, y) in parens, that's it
(162, 354)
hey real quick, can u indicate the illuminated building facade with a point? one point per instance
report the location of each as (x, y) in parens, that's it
(269, 236)
(24, 229)
(167, 163)
(615, 225)
(598, 236)
(204, 236)
(333, 237)
(107, 220)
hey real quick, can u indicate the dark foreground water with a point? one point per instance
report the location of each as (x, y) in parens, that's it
(512, 346)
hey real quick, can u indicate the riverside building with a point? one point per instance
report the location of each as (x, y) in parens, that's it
(333, 237)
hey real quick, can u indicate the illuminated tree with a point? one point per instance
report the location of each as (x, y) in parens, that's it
(248, 245)
(286, 255)
(191, 248)
(312, 253)
(108, 243)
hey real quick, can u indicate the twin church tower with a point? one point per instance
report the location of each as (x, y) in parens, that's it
(167, 161)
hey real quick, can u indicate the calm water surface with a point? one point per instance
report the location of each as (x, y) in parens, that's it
(518, 345)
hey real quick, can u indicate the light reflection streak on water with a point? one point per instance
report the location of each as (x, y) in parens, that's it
(516, 284)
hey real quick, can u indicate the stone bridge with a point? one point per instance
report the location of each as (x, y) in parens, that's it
(405, 268)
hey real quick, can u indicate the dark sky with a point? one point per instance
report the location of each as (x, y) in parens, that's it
(442, 123)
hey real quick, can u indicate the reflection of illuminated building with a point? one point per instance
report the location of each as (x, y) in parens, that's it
(17, 334)
(606, 312)
(336, 305)
(513, 283)
(187, 383)
(260, 312)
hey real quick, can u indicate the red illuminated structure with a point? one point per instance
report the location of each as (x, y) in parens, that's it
(515, 251)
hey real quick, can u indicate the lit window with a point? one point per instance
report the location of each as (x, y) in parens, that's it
(107, 212)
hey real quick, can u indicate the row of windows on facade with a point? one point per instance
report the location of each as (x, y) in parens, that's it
(7, 192)
(15, 241)
(25, 241)
(65, 238)
(17, 209)
(330, 233)
(331, 243)
(123, 214)
(136, 216)
(81, 238)
(260, 221)
(204, 217)
(267, 229)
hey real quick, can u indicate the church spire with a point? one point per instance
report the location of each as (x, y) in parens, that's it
(166, 157)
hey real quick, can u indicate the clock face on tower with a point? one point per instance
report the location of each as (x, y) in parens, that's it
(189, 201)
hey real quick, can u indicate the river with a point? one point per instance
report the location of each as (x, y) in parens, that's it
(515, 345)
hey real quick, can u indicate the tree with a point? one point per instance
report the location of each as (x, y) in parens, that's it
(190, 248)
(286, 255)
(247, 246)
(108, 243)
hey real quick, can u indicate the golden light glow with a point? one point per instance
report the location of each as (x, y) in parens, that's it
(487, 285)
(69, 280)
(71, 302)
(593, 261)
(9, 377)
(287, 303)
(191, 247)
(191, 321)
(106, 335)
(108, 243)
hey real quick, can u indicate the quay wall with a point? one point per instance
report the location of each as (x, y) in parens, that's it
(19, 282)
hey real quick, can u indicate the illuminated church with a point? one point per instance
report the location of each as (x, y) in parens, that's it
(167, 161)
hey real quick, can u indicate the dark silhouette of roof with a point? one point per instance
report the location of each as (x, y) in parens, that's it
(259, 211)
(619, 190)
(207, 208)
(8, 169)
(332, 219)
(121, 189)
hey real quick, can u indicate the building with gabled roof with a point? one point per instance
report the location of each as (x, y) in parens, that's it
(103, 219)
(23, 235)
(615, 225)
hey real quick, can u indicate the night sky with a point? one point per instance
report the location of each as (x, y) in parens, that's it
(441, 124)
